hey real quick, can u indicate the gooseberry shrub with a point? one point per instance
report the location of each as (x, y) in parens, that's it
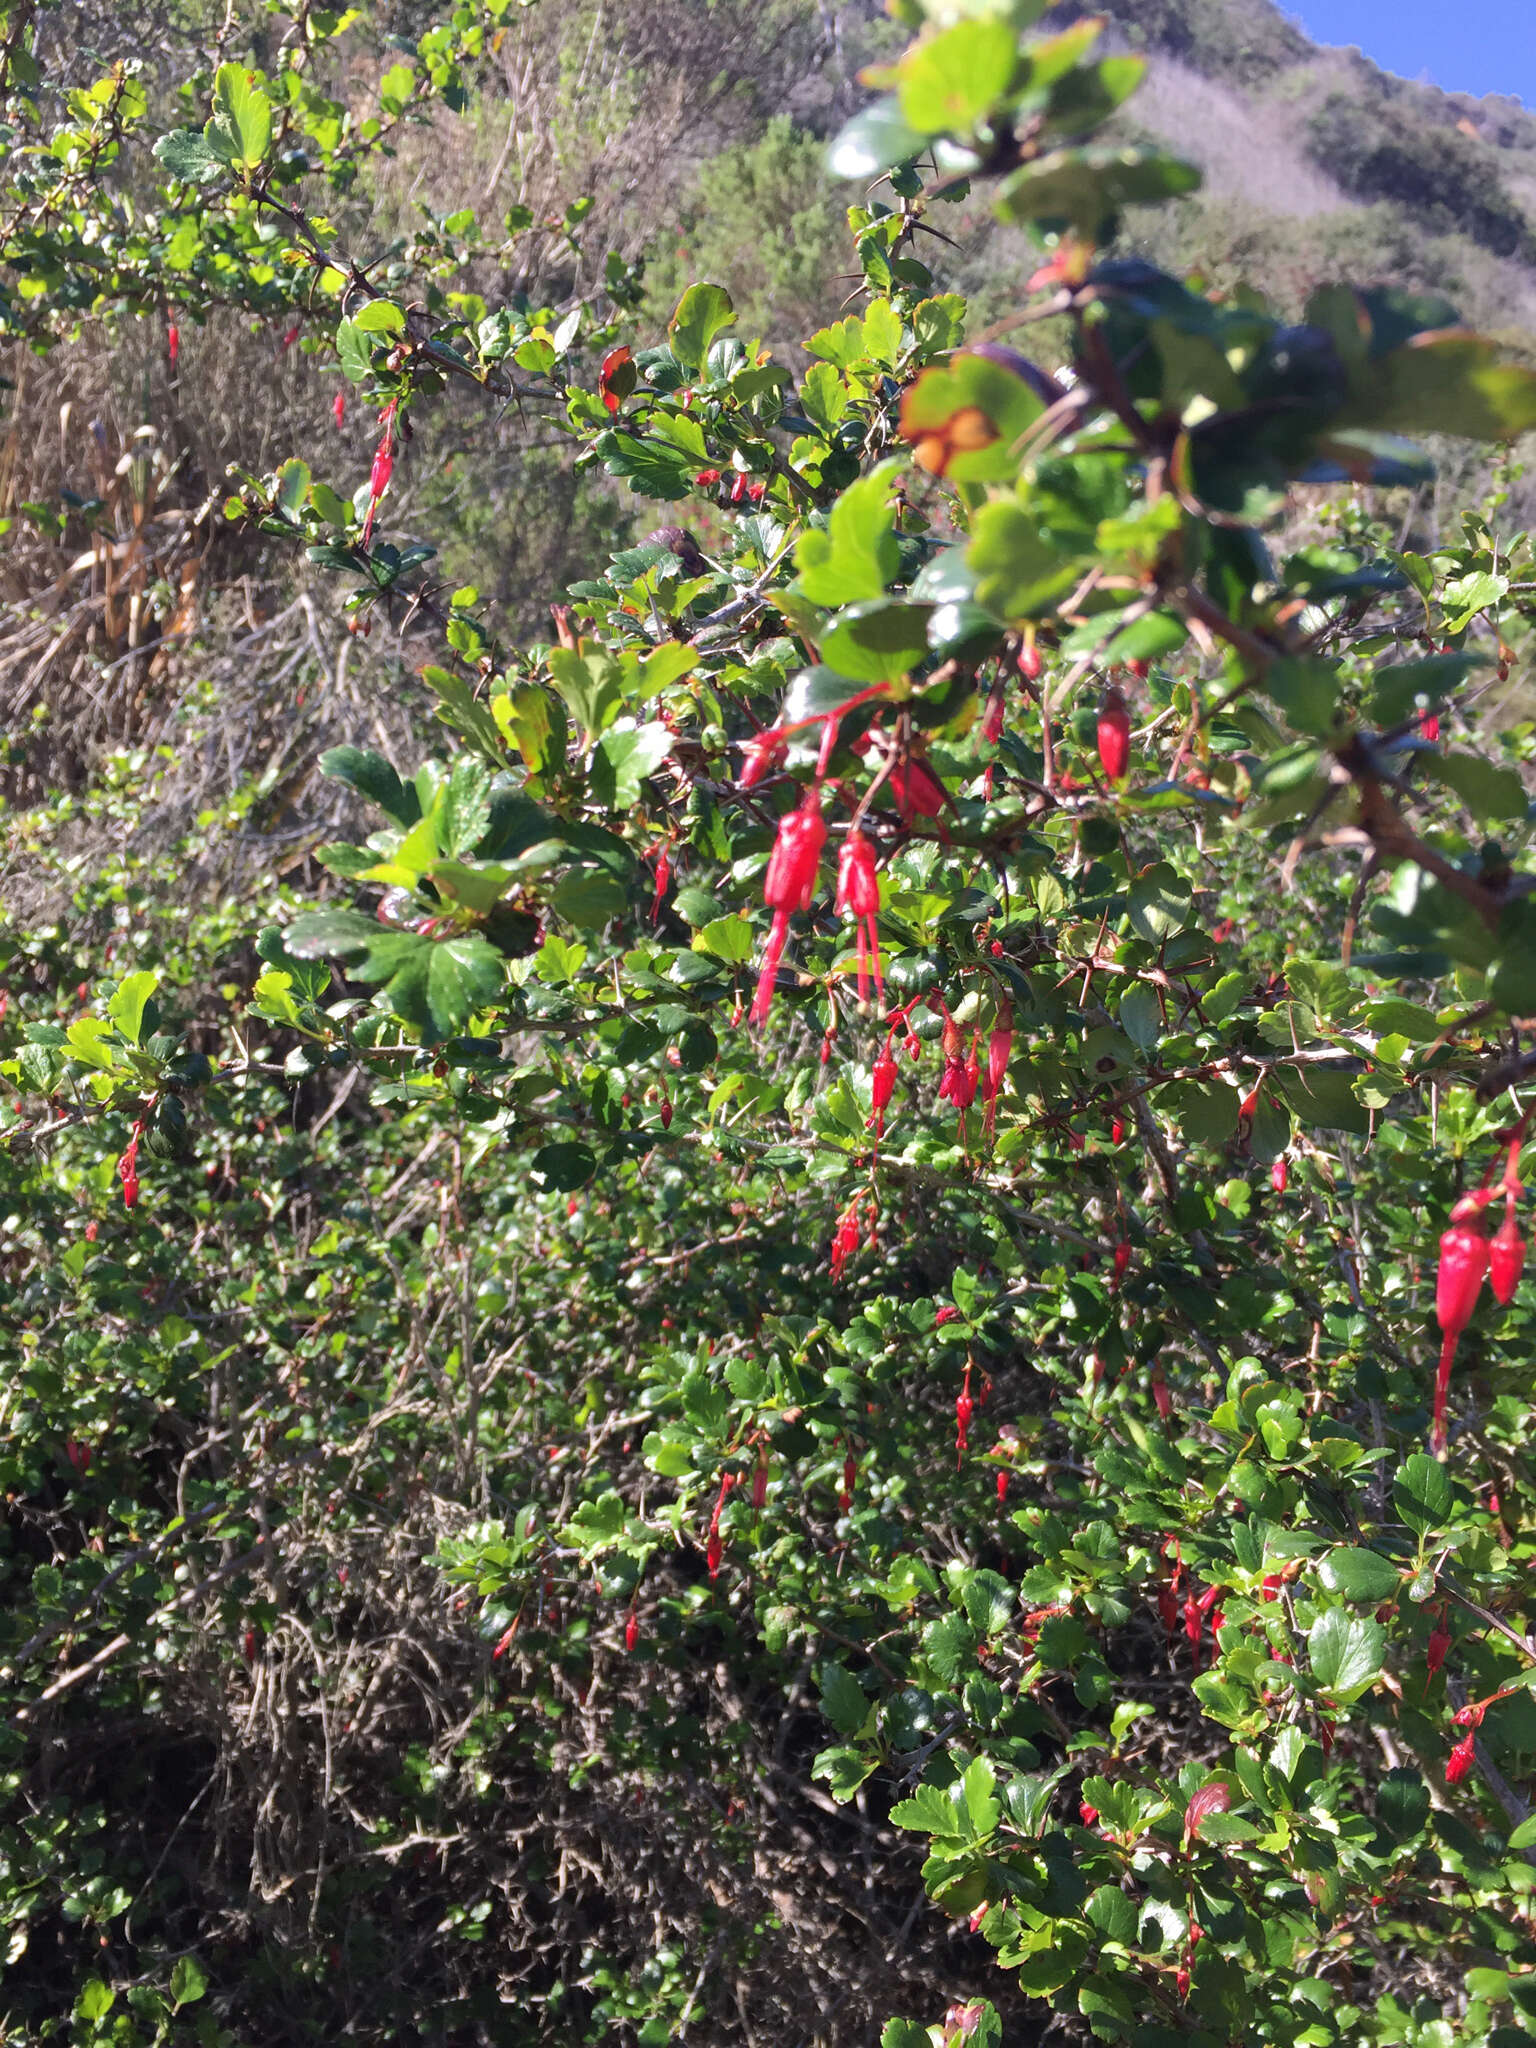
(1027, 963)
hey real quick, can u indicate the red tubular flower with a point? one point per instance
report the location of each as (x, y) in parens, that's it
(1114, 734)
(916, 792)
(1439, 1643)
(763, 751)
(128, 1167)
(1160, 1393)
(1117, 1130)
(1429, 725)
(992, 723)
(339, 408)
(663, 876)
(1459, 1763)
(789, 886)
(714, 1553)
(1030, 663)
(858, 896)
(999, 1052)
(1506, 1257)
(1279, 1175)
(631, 1631)
(79, 1455)
(846, 1238)
(173, 343)
(760, 1482)
(1002, 1486)
(965, 1408)
(383, 469)
(1458, 1283)
(1121, 1262)
(1168, 1608)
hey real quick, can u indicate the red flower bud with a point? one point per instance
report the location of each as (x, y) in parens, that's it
(79, 1455)
(1506, 1258)
(965, 1408)
(339, 408)
(173, 343)
(1279, 1175)
(714, 1552)
(1114, 734)
(1002, 1486)
(631, 1631)
(947, 1314)
(1030, 663)
(706, 479)
(1429, 726)
(1086, 1813)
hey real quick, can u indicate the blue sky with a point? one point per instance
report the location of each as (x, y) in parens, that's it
(1470, 46)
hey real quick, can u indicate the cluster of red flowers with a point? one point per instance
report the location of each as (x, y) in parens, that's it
(1468, 1256)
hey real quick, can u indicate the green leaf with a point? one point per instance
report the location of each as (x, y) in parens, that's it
(1345, 1652)
(564, 1168)
(372, 776)
(433, 984)
(1397, 691)
(95, 2000)
(186, 154)
(589, 899)
(904, 2034)
(856, 556)
(1360, 1574)
(1307, 692)
(1422, 1494)
(246, 110)
(380, 316)
(1085, 189)
(872, 141)
(1019, 572)
(354, 351)
(947, 82)
(1159, 903)
(703, 312)
(877, 642)
(1402, 1804)
(127, 1004)
(979, 1784)
(843, 1699)
(623, 760)
(1488, 791)
(727, 938)
(929, 1812)
(188, 1982)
